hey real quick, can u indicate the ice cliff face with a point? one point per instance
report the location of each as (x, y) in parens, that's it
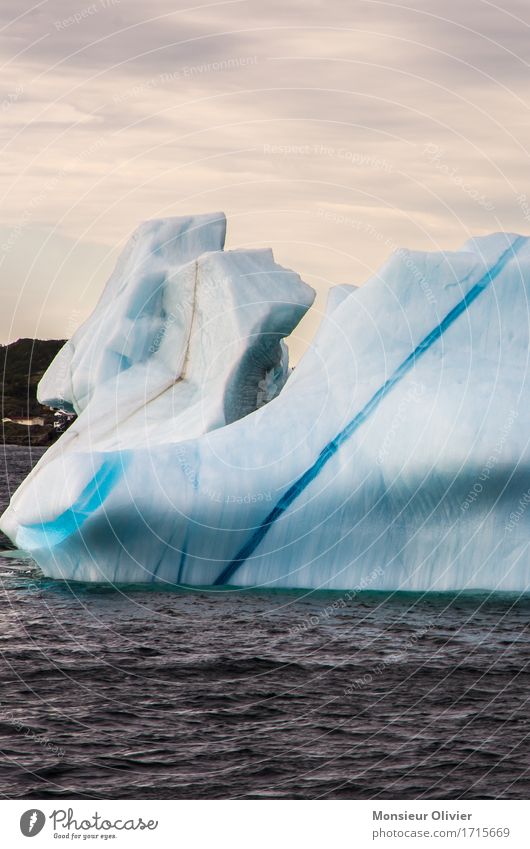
(185, 338)
(396, 456)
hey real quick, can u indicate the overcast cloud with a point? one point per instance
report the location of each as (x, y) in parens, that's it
(332, 131)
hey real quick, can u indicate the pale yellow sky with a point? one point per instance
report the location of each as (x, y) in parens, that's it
(332, 131)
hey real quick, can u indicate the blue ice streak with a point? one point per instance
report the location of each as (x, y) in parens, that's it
(332, 447)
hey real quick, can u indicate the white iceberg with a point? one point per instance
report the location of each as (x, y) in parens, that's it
(395, 457)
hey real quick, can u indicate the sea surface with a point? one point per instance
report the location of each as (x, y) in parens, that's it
(134, 693)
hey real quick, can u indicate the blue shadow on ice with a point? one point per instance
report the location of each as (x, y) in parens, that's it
(50, 534)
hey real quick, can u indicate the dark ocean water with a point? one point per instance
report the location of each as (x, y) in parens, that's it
(129, 693)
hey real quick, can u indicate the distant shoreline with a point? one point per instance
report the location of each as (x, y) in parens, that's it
(22, 365)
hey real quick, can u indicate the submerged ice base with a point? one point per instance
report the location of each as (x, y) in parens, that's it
(394, 457)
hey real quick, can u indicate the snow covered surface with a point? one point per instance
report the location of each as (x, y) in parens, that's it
(396, 455)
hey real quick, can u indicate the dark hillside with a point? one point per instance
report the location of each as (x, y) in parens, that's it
(22, 364)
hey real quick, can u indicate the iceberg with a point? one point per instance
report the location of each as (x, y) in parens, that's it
(395, 456)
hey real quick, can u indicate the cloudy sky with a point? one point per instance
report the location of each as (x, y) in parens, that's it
(332, 130)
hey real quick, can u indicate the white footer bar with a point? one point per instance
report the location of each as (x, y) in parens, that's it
(265, 824)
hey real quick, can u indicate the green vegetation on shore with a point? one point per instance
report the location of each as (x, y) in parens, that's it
(22, 364)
